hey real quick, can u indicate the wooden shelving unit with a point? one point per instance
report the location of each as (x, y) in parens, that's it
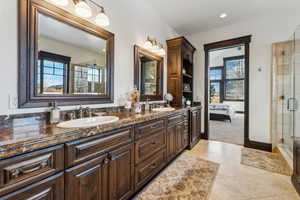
(180, 69)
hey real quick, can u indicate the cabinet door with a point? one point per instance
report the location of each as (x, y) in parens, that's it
(121, 173)
(198, 124)
(87, 181)
(179, 137)
(51, 188)
(172, 146)
(194, 119)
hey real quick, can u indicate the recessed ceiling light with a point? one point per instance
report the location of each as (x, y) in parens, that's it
(223, 15)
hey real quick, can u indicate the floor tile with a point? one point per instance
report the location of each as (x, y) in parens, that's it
(239, 182)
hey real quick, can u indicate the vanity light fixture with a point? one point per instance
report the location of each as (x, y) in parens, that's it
(82, 8)
(223, 15)
(154, 47)
(61, 2)
(102, 19)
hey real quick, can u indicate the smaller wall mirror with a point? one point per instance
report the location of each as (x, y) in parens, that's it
(148, 74)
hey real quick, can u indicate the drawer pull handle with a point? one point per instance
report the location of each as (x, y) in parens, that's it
(29, 166)
(153, 143)
(17, 172)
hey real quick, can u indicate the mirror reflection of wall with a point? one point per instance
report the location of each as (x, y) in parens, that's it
(70, 61)
(148, 76)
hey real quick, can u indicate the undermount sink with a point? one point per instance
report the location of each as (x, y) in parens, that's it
(88, 122)
(167, 109)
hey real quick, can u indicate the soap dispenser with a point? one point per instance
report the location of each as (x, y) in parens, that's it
(54, 114)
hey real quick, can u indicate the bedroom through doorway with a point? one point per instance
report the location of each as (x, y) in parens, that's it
(226, 94)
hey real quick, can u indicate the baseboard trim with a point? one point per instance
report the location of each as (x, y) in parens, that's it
(258, 145)
(204, 136)
(296, 183)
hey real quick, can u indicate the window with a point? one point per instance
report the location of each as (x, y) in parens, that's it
(216, 84)
(51, 73)
(227, 83)
(89, 79)
(234, 78)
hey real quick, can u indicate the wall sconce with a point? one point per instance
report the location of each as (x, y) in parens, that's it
(154, 47)
(83, 9)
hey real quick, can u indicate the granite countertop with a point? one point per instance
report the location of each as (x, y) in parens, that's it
(31, 133)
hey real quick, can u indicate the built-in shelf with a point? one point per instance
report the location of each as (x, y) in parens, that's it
(187, 75)
(180, 73)
(184, 91)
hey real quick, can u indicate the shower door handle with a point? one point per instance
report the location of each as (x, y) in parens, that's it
(292, 104)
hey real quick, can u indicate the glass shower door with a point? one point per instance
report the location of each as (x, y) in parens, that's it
(288, 95)
(296, 85)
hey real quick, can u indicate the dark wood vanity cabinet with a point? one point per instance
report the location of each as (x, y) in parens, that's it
(51, 188)
(177, 135)
(88, 180)
(109, 176)
(180, 69)
(121, 173)
(195, 126)
(113, 165)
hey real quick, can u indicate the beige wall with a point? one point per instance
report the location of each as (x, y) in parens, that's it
(131, 22)
(264, 31)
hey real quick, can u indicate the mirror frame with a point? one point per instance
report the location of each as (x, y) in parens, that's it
(160, 68)
(28, 13)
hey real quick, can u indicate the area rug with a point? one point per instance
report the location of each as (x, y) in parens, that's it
(188, 177)
(272, 162)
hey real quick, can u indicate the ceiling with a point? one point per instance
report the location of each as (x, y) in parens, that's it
(192, 16)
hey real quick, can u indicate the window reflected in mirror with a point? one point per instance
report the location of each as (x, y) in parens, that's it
(70, 61)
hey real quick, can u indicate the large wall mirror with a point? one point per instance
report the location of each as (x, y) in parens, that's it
(148, 74)
(70, 59)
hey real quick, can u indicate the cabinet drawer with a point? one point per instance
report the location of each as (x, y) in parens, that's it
(51, 188)
(25, 169)
(148, 146)
(86, 149)
(145, 130)
(147, 169)
(175, 119)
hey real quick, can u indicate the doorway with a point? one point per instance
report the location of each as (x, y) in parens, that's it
(227, 91)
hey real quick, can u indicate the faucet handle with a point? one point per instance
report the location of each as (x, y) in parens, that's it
(71, 115)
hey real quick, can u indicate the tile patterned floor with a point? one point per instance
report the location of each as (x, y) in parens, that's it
(239, 182)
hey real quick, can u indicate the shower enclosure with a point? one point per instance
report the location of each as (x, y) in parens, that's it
(286, 92)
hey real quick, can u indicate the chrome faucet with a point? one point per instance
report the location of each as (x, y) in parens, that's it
(89, 112)
(80, 112)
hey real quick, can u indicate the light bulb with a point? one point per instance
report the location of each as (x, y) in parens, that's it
(155, 47)
(223, 15)
(83, 9)
(148, 44)
(61, 2)
(102, 19)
